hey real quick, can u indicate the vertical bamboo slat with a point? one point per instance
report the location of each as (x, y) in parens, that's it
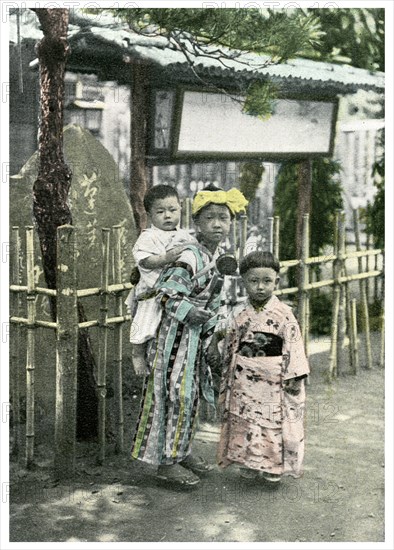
(382, 341)
(270, 243)
(355, 361)
(16, 339)
(304, 280)
(368, 245)
(118, 338)
(30, 350)
(66, 353)
(243, 235)
(341, 333)
(332, 369)
(103, 340)
(363, 293)
(275, 247)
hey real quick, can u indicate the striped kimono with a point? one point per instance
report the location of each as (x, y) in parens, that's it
(178, 373)
(263, 425)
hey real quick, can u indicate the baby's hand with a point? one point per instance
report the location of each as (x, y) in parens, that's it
(173, 254)
(292, 386)
(198, 316)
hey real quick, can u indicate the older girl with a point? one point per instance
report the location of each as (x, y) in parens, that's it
(178, 373)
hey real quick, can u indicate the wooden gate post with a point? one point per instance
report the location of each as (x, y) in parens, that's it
(66, 353)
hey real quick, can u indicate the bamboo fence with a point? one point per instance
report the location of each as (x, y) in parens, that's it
(67, 326)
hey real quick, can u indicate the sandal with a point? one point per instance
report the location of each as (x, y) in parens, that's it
(198, 465)
(248, 474)
(272, 478)
(177, 476)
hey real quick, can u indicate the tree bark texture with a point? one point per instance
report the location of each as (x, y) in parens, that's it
(51, 188)
(139, 177)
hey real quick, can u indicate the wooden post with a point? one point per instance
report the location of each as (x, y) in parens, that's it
(270, 234)
(275, 248)
(363, 293)
(368, 245)
(66, 353)
(118, 337)
(382, 340)
(243, 235)
(304, 280)
(16, 339)
(304, 201)
(30, 350)
(382, 337)
(355, 362)
(103, 339)
(234, 237)
(332, 369)
(341, 343)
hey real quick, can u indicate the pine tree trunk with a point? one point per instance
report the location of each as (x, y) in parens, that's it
(50, 191)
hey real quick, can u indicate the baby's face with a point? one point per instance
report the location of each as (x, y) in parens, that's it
(165, 213)
(260, 283)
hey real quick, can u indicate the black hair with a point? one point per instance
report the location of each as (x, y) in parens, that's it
(209, 187)
(258, 259)
(158, 192)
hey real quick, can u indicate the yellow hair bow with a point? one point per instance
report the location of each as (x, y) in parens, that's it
(233, 199)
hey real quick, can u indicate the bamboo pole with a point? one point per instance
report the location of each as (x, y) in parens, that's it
(270, 234)
(363, 293)
(243, 234)
(341, 338)
(118, 335)
(355, 360)
(30, 350)
(382, 341)
(16, 341)
(368, 246)
(382, 338)
(66, 353)
(276, 237)
(103, 339)
(304, 280)
(332, 369)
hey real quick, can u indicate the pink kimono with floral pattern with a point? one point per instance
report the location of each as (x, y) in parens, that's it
(263, 425)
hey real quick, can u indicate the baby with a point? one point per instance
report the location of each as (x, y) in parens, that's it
(160, 244)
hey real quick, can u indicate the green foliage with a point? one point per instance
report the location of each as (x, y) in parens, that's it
(260, 100)
(280, 34)
(320, 312)
(374, 214)
(251, 173)
(352, 35)
(326, 199)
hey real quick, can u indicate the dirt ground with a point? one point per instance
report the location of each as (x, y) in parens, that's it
(340, 498)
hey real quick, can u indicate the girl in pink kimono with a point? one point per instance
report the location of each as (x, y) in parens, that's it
(262, 394)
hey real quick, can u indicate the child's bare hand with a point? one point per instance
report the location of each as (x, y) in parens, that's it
(198, 316)
(173, 254)
(292, 386)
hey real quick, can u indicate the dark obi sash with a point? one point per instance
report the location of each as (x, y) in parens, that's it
(264, 344)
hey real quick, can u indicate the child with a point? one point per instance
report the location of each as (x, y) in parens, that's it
(262, 393)
(157, 246)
